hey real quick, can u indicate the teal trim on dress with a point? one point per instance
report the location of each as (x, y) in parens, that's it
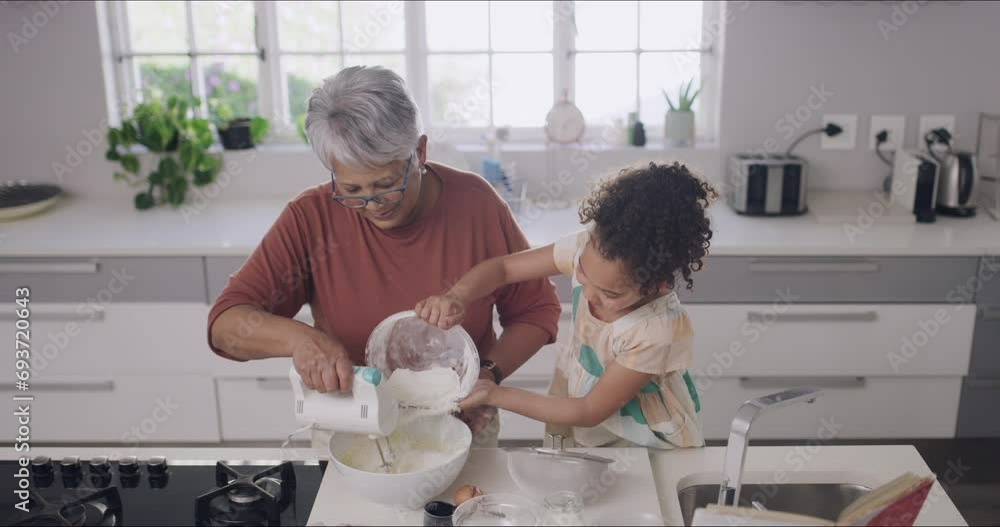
(588, 359)
(692, 391)
(633, 410)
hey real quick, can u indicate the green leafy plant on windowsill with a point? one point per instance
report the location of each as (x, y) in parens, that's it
(237, 133)
(685, 99)
(180, 143)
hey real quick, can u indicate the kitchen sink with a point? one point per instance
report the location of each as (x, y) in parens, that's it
(823, 500)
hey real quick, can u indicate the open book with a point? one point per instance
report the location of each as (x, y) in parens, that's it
(896, 503)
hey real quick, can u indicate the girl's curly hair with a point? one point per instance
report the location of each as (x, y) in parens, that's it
(652, 218)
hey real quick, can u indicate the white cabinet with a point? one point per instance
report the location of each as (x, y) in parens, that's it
(850, 408)
(70, 339)
(256, 408)
(832, 339)
(127, 410)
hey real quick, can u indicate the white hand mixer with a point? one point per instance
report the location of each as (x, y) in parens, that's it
(367, 409)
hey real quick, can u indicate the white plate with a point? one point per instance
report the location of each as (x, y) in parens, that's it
(21, 211)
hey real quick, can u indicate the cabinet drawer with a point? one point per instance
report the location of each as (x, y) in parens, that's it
(256, 408)
(77, 339)
(989, 273)
(986, 342)
(106, 280)
(873, 407)
(980, 399)
(122, 409)
(837, 339)
(518, 427)
(833, 279)
(217, 271)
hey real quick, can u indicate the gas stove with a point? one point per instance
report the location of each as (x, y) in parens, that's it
(155, 491)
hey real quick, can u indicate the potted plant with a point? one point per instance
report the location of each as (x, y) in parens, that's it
(678, 126)
(237, 133)
(179, 144)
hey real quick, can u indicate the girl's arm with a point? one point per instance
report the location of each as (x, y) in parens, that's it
(616, 387)
(448, 310)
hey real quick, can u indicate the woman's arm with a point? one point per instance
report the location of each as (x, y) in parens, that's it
(448, 310)
(616, 387)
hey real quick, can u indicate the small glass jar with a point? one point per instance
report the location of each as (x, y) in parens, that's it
(564, 508)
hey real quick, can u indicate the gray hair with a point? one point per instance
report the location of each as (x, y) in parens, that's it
(364, 117)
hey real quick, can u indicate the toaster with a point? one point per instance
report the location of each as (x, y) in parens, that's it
(767, 185)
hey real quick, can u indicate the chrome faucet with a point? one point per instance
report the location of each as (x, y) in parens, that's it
(739, 436)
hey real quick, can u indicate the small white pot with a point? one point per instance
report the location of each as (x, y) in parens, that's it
(678, 128)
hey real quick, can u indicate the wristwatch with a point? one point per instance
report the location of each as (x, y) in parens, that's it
(490, 366)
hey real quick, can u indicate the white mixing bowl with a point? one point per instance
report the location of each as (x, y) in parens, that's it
(409, 490)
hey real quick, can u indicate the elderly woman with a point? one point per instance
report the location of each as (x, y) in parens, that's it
(388, 230)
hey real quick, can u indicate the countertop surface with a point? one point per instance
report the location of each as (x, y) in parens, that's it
(78, 227)
(672, 470)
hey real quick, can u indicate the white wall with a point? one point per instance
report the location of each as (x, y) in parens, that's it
(942, 59)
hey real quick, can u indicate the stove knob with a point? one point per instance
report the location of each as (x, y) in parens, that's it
(100, 465)
(70, 465)
(41, 466)
(128, 465)
(157, 465)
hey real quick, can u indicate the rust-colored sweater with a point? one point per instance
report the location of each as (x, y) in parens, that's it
(354, 275)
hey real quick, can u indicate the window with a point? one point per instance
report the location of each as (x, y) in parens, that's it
(470, 65)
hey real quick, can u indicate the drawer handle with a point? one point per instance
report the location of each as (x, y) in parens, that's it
(769, 317)
(528, 381)
(68, 385)
(58, 315)
(274, 383)
(990, 313)
(817, 382)
(798, 266)
(90, 267)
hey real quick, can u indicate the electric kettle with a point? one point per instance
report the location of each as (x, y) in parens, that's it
(957, 176)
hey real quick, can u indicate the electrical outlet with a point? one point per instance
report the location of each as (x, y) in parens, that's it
(931, 121)
(894, 124)
(847, 139)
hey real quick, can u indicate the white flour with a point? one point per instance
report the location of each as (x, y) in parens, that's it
(436, 390)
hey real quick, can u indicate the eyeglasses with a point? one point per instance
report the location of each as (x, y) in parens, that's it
(386, 197)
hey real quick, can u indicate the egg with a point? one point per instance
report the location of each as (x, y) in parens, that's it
(466, 493)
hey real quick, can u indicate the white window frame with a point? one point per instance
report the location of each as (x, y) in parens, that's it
(272, 91)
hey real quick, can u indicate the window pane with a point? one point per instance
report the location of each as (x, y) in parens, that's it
(606, 25)
(665, 71)
(460, 90)
(223, 26)
(157, 26)
(457, 26)
(373, 26)
(231, 81)
(308, 26)
(605, 86)
(303, 75)
(393, 61)
(521, 26)
(522, 89)
(161, 77)
(670, 25)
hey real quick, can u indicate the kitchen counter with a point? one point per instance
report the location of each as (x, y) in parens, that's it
(866, 465)
(87, 227)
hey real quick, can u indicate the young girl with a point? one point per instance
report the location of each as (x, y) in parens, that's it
(622, 379)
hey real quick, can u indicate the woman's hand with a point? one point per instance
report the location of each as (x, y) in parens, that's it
(323, 364)
(444, 311)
